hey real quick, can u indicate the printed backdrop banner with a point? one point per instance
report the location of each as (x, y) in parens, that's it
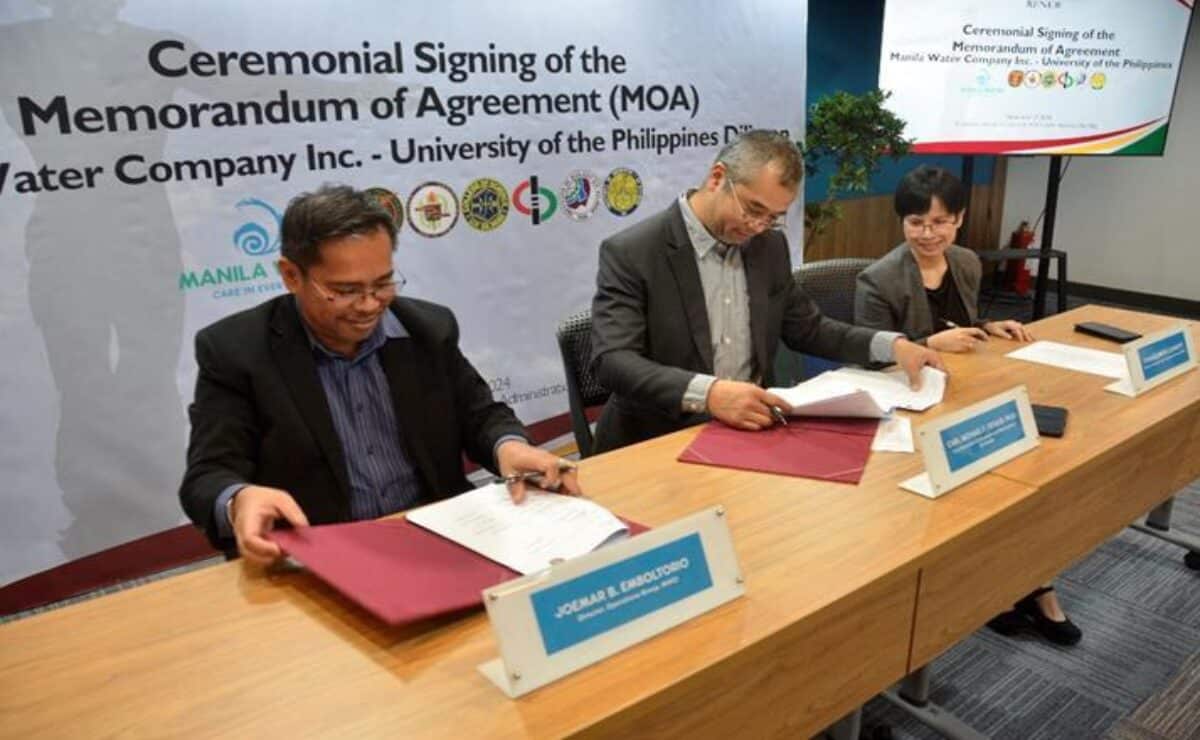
(148, 150)
(1034, 76)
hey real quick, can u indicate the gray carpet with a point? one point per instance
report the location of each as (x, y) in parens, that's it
(1139, 609)
(1135, 675)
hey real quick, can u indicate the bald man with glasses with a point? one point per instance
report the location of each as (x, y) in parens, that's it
(340, 401)
(692, 302)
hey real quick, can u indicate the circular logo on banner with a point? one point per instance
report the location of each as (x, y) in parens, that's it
(622, 191)
(533, 200)
(485, 204)
(1015, 78)
(432, 209)
(580, 194)
(1098, 80)
(389, 202)
(1033, 78)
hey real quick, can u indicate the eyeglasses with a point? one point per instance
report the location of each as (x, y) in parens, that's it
(938, 224)
(346, 297)
(762, 218)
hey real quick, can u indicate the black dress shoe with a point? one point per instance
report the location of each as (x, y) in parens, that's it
(1059, 633)
(1027, 616)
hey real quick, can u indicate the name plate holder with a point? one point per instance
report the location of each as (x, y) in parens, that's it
(964, 445)
(578, 612)
(1155, 359)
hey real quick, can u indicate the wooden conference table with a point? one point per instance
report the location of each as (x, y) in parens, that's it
(849, 588)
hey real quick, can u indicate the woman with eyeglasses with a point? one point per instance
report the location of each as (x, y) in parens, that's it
(928, 288)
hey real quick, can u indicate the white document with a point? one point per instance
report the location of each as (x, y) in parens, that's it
(894, 435)
(526, 537)
(1070, 357)
(891, 388)
(862, 393)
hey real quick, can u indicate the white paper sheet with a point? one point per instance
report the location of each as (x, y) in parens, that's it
(891, 388)
(862, 393)
(894, 435)
(1070, 357)
(525, 537)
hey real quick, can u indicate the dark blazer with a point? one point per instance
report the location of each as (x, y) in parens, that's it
(650, 332)
(260, 415)
(890, 295)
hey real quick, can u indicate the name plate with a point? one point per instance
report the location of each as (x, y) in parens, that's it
(1155, 359)
(964, 445)
(578, 612)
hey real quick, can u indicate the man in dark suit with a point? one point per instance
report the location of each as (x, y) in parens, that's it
(691, 303)
(339, 401)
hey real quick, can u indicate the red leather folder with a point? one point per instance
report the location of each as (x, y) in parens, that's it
(808, 447)
(394, 569)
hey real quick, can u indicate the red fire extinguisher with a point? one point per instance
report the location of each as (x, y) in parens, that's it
(1016, 272)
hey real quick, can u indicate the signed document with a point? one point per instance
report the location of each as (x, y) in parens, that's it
(526, 537)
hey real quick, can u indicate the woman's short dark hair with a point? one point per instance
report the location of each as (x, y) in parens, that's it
(917, 189)
(331, 212)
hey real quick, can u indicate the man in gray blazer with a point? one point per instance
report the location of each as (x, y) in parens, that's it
(691, 303)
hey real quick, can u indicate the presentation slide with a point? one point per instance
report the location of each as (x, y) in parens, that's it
(1034, 76)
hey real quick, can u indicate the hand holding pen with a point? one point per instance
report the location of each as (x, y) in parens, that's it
(519, 463)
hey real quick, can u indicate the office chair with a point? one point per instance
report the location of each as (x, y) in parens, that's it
(574, 336)
(830, 283)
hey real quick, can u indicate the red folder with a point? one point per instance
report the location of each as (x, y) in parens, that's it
(394, 569)
(808, 447)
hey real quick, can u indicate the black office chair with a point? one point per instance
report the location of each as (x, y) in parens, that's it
(830, 283)
(574, 336)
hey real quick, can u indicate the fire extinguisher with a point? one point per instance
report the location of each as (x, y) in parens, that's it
(1016, 272)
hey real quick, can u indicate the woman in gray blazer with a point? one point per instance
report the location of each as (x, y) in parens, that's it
(928, 288)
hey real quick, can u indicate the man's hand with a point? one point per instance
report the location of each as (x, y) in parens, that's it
(253, 513)
(960, 339)
(743, 405)
(1008, 330)
(911, 357)
(514, 457)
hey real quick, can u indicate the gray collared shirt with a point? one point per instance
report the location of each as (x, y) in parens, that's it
(727, 302)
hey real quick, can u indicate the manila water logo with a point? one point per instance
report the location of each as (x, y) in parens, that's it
(432, 209)
(389, 202)
(485, 204)
(253, 237)
(535, 201)
(622, 191)
(580, 194)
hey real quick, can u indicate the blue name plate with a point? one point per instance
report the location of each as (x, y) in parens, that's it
(1163, 355)
(616, 594)
(981, 435)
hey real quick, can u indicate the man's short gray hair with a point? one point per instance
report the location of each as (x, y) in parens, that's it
(752, 150)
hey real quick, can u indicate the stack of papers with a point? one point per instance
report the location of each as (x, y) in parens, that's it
(526, 537)
(865, 394)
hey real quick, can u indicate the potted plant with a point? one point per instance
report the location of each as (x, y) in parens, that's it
(851, 133)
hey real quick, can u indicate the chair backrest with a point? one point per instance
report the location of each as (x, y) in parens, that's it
(574, 336)
(831, 284)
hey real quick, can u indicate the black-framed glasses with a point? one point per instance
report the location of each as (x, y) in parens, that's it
(346, 297)
(766, 219)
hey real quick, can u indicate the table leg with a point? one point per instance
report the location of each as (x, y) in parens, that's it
(913, 698)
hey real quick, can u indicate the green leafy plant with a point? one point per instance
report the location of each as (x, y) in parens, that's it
(852, 133)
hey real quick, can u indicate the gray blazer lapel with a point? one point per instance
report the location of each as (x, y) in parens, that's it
(968, 292)
(758, 285)
(294, 358)
(922, 320)
(682, 259)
